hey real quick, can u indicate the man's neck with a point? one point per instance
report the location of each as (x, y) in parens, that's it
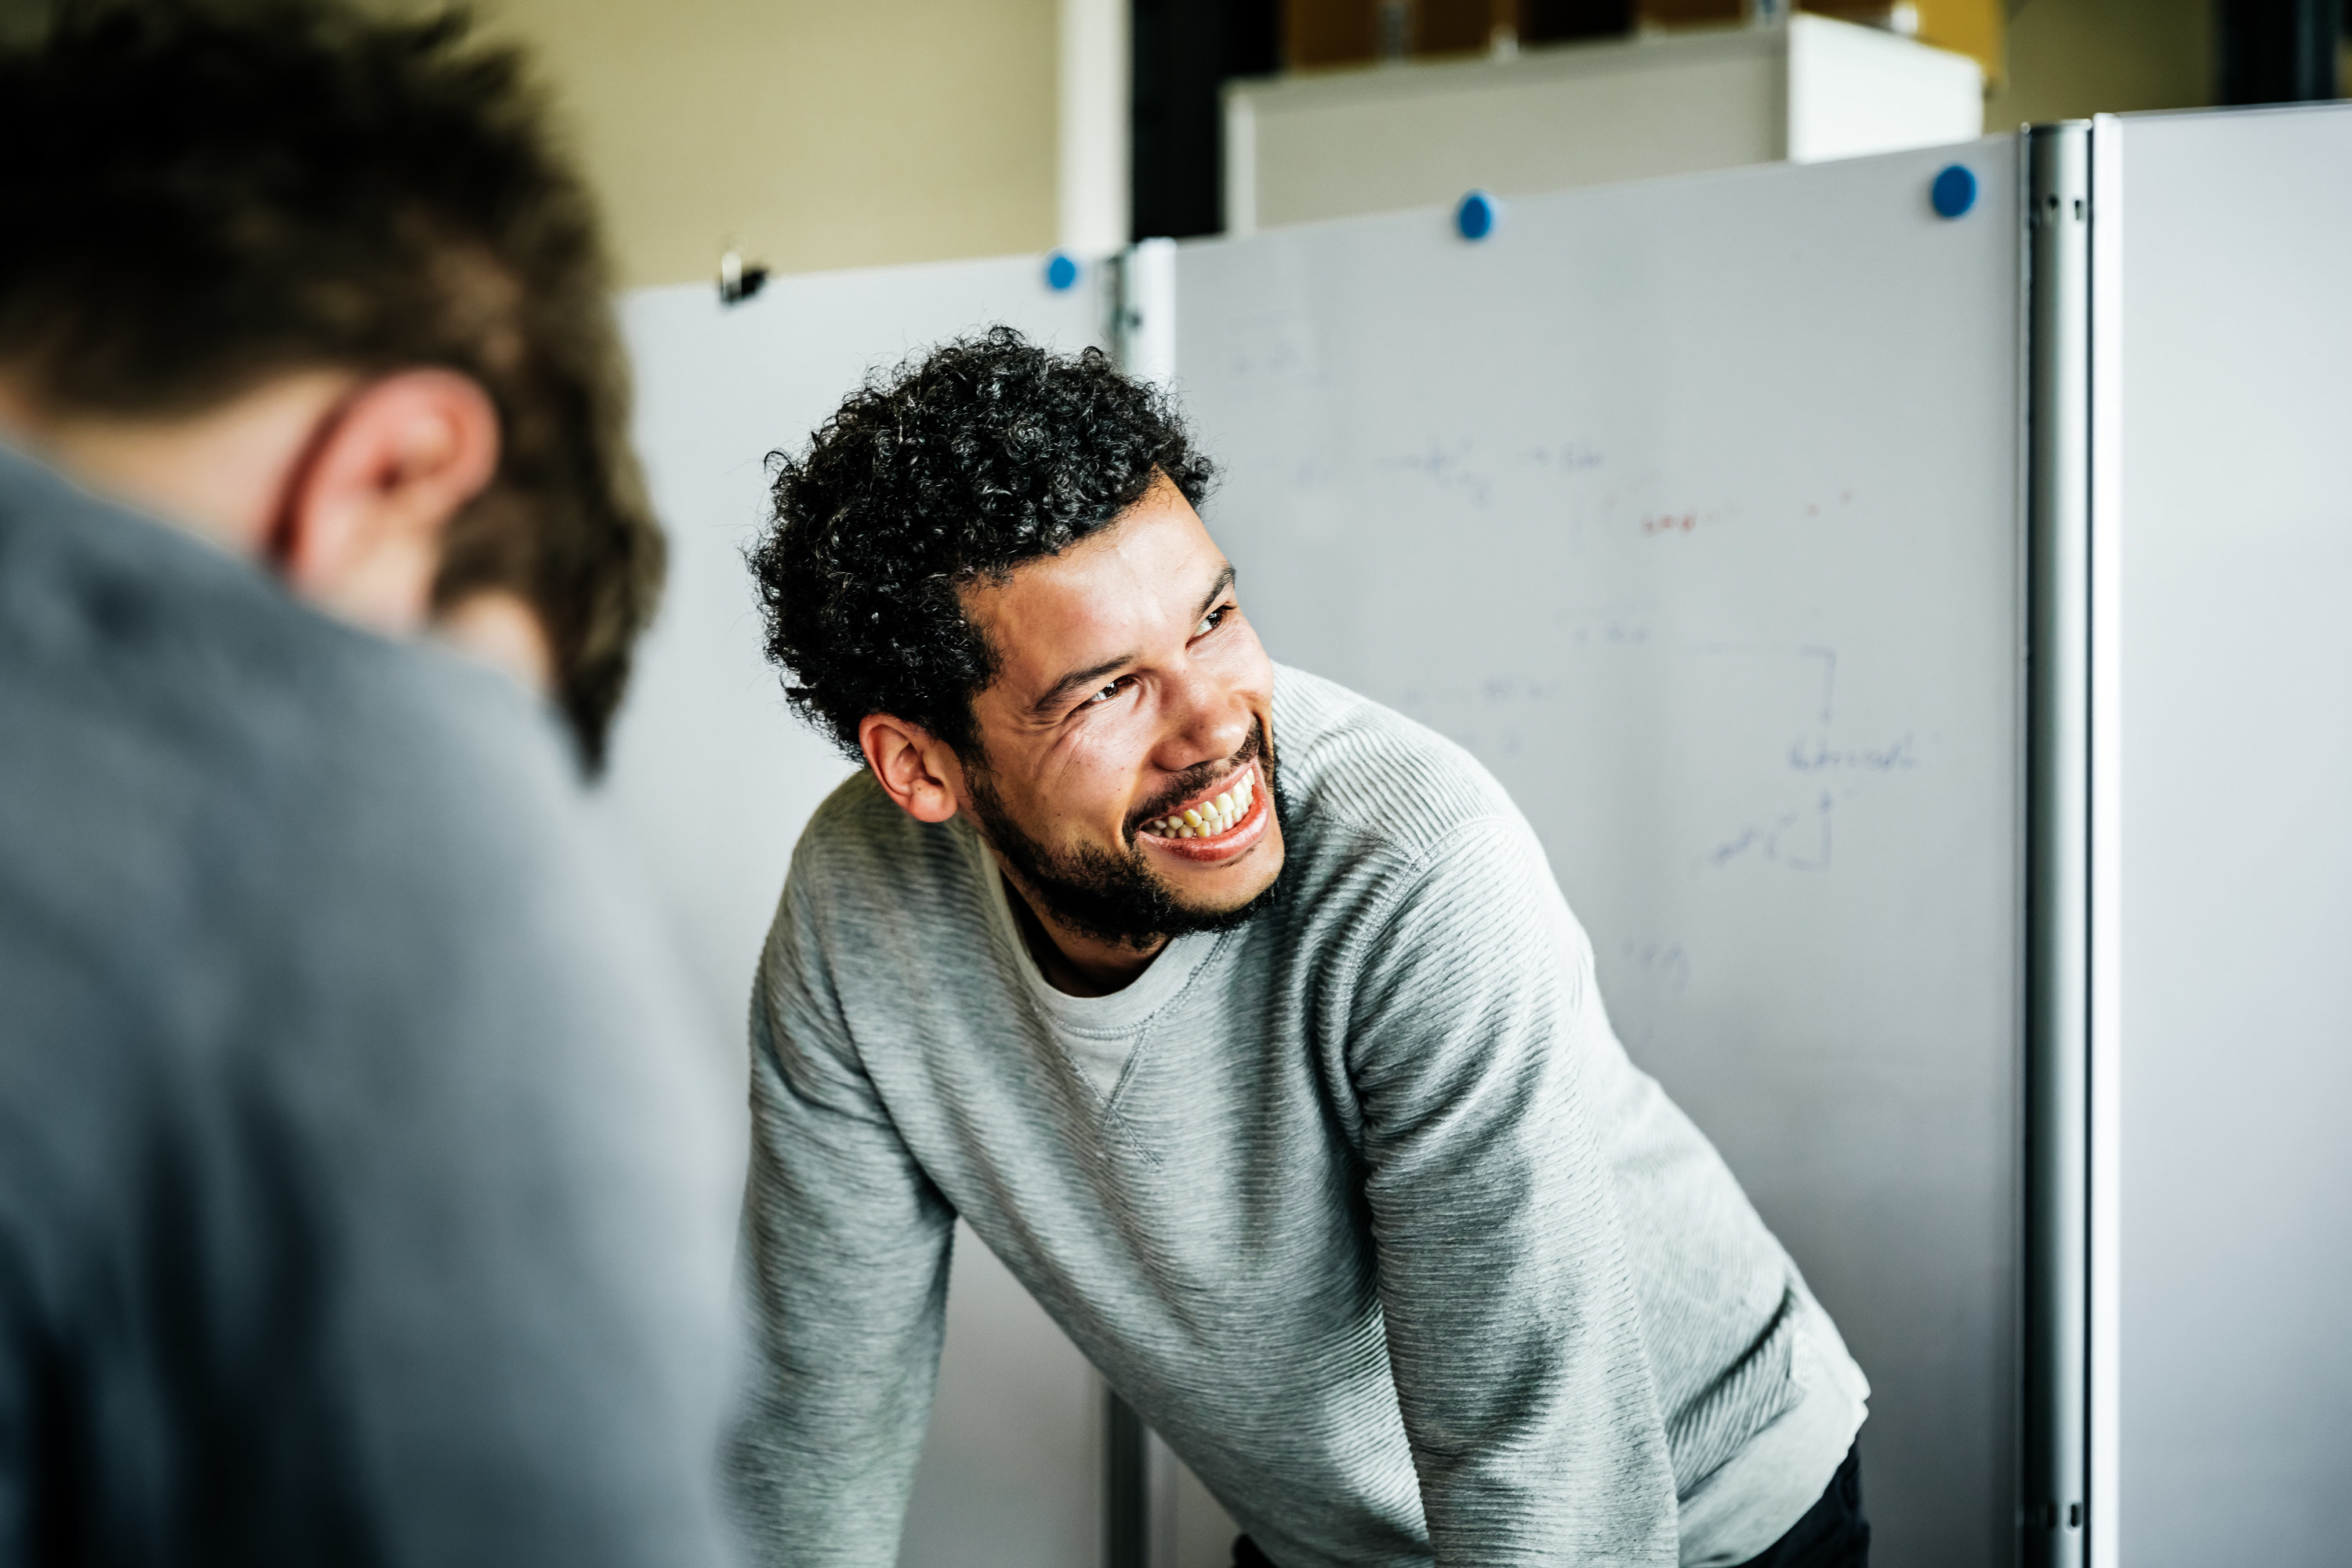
(1075, 965)
(216, 472)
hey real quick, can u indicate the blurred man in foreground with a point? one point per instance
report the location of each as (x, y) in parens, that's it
(360, 1193)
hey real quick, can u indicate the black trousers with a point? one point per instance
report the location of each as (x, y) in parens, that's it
(1834, 1533)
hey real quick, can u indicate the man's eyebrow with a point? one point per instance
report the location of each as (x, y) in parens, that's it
(1224, 580)
(1079, 681)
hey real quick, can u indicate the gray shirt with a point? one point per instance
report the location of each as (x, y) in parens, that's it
(1362, 1206)
(362, 1199)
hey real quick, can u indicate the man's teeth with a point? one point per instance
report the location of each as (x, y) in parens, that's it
(1209, 818)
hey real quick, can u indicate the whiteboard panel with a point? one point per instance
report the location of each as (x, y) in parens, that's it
(1690, 508)
(2236, 859)
(712, 780)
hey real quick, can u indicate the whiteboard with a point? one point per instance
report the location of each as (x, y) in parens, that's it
(712, 778)
(2235, 1093)
(1690, 507)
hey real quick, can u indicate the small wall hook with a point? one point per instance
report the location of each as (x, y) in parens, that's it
(737, 282)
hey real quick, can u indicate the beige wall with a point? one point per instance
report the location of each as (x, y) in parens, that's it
(2071, 59)
(822, 133)
(816, 133)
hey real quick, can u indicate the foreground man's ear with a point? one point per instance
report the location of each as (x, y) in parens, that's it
(914, 769)
(362, 527)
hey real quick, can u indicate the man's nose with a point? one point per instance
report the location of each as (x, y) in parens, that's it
(1207, 721)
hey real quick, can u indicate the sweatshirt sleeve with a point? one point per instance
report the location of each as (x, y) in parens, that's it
(1512, 1325)
(845, 1246)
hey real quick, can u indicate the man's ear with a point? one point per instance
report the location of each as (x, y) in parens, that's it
(361, 534)
(914, 769)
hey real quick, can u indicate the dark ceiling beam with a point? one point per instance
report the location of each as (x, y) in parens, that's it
(2279, 51)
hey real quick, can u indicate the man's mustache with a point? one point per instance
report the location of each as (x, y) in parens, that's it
(1196, 778)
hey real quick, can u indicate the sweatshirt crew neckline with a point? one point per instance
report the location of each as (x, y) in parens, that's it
(1118, 1013)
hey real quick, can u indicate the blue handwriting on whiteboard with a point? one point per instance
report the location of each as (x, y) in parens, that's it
(1799, 840)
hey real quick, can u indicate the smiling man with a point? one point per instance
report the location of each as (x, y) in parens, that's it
(1243, 1019)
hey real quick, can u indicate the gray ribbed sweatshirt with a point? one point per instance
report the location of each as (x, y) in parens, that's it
(1362, 1206)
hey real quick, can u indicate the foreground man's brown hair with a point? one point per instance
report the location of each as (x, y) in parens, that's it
(199, 196)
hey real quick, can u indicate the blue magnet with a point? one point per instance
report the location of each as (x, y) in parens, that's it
(1061, 272)
(1954, 192)
(1474, 218)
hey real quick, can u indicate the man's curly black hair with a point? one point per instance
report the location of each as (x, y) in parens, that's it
(963, 464)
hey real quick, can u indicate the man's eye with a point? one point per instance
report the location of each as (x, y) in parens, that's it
(1105, 695)
(1211, 621)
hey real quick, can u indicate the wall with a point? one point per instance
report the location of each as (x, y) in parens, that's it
(814, 134)
(824, 135)
(860, 133)
(2071, 59)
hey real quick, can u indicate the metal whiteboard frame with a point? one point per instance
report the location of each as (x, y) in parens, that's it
(2102, 1416)
(2071, 245)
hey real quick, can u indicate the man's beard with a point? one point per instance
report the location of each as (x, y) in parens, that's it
(1118, 899)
